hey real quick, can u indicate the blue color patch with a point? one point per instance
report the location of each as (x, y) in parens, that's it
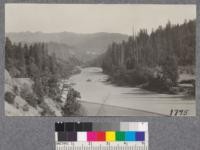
(130, 136)
(140, 136)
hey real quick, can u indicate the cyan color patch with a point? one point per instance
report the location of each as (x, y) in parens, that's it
(130, 136)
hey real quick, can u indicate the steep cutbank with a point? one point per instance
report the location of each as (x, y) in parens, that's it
(18, 99)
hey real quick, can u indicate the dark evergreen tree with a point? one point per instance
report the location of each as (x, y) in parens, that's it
(139, 58)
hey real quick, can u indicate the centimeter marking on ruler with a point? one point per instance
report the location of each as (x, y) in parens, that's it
(104, 146)
(136, 147)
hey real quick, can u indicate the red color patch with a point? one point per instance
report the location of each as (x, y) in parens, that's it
(101, 136)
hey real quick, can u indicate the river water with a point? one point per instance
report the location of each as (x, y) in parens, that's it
(100, 98)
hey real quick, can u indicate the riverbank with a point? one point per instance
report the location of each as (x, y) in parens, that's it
(95, 109)
(155, 81)
(92, 85)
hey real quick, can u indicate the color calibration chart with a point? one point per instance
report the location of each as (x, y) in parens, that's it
(101, 135)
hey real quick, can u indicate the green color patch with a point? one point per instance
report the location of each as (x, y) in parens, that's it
(120, 136)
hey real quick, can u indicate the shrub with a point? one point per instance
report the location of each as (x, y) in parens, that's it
(133, 77)
(160, 84)
(137, 76)
(46, 111)
(157, 81)
(17, 105)
(25, 90)
(25, 108)
(119, 75)
(170, 69)
(38, 90)
(10, 97)
(53, 87)
(71, 105)
(15, 90)
(14, 72)
(58, 99)
(30, 97)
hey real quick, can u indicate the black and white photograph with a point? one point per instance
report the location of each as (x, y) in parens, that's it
(100, 60)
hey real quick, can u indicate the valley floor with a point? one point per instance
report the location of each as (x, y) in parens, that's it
(99, 98)
(113, 100)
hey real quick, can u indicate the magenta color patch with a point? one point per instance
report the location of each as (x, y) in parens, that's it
(91, 136)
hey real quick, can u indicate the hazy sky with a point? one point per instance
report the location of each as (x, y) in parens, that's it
(93, 18)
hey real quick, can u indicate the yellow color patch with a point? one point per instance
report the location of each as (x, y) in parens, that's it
(110, 136)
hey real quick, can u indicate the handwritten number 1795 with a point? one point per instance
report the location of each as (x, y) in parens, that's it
(179, 112)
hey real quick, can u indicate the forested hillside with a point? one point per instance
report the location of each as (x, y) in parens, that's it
(42, 72)
(83, 46)
(33, 60)
(154, 59)
(63, 52)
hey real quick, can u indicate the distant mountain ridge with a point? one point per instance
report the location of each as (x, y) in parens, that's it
(83, 46)
(63, 37)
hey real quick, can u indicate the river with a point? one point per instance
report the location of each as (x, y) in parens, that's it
(100, 98)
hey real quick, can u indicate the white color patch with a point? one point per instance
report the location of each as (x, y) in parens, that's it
(82, 136)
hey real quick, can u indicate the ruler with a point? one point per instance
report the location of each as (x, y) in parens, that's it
(101, 136)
